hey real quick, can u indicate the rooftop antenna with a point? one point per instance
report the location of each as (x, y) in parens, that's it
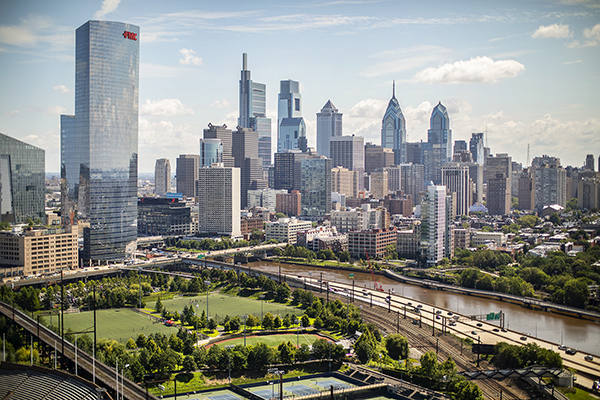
(393, 88)
(244, 61)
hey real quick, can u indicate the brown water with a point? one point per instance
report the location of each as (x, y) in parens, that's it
(572, 332)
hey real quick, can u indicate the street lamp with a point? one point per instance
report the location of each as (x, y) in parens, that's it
(123, 381)
(229, 347)
(262, 296)
(207, 283)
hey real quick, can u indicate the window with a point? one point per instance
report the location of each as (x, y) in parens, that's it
(297, 104)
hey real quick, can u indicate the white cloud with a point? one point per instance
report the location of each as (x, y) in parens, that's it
(475, 70)
(56, 110)
(11, 114)
(35, 30)
(189, 57)
(61, 88)
(571, 62)
(369, 108)
(108, 6)
(165, 108)
(220, 104)
(591, 34)
(552, 31)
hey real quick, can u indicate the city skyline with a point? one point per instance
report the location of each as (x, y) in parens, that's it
(525, 71)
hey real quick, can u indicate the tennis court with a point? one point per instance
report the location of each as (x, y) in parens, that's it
(224, 396)
(337, 384)
(221, 394)
(266, 393)
(301, 390)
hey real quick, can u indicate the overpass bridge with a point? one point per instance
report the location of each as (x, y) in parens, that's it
(90, 368)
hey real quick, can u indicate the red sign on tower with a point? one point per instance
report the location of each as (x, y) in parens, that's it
(130, 35)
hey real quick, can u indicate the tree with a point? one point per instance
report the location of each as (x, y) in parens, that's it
(429, 364)
(277, 322)
(131, 344)
(344, 256)
(252, 321)
(528, 221)
(487, 228)
(189, 364)
(555, 219)
(267, 322)
(364, 351)
(283, 292)
(158, 307)
(287, 352)
(260, 356)
(397, 346)
(305, 320)
(576, 292)
(212, 325)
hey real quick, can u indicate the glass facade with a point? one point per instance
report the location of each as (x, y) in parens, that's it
(393, 130)
(316, 186)
(99, 149)
(22, 181)
(211, 151)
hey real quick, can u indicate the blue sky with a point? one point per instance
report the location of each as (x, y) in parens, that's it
(527, 71)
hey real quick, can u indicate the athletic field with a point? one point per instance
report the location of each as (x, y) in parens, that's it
(119, 324)
(220, 305)
(273, 340)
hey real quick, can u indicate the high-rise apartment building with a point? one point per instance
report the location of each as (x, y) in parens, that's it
(316, 186)
(22, 181)
(526, 191)
(219, 201)
(99, 147)
(253, 111)
(588, 193)
(344, 181)
(378, 183)
(287, 170)
(412, 180)
(377, 157)
(393, 129)
(289, 203)
(187, 174)
(329, 125)
(456, 178)
(433, 224)
(476, 146)
(348, 152)
(291, 128)
(438, 149)
(211, 152)
(550, 182)
(498, 198)
(162, 176)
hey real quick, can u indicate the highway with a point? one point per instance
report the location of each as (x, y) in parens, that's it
(105, 375)
(464, 325)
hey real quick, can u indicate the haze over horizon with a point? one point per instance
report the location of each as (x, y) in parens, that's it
(525, 71)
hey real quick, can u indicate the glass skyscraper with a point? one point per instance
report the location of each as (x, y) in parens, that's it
(22, 181)
(329, 124)
(291, 128)
(438, 149)
(393, 129)
(253, 111)
(99, 146)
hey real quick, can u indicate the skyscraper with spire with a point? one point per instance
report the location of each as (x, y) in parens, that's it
(393, 129)
(253, 109)
(438, 149)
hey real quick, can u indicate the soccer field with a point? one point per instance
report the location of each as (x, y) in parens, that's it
(220, 305)
(119, 324)
(273, 340)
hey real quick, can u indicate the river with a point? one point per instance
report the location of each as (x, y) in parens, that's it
(570, 331)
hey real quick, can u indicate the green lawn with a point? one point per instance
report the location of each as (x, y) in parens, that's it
(578, 395)
(220, 305)
(273, 340)
(119, 324)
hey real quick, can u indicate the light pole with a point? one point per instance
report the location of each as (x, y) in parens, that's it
(262, 296)
(229, 347)
(123, 381)
(207, 283)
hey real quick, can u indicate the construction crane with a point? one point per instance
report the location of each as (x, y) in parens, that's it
(376, 285)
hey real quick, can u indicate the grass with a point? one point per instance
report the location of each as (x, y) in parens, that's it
(273, 340)
(118, 324)
(576, 394)
(220, 305)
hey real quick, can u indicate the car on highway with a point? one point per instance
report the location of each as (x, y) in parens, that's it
(479, 324)
(562, 347)
(523, 338)
(473, 332)
(420, 306)
(409, 304)
(496, 330)
(438, 312)
(571, 351)
(589, 358)
(453, 323)
(504, 330)
(450, 313)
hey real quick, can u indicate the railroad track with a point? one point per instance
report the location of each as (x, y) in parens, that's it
(104, 373)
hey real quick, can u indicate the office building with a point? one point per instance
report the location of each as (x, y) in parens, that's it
(588, 193)
(526, 191)
(162, 177)
(371, 244)
(401, 205)
(286, 171)
(329, 125)
(316, 186)
(211, 152)
(163, 217)
(460, 145)
(589, 162)
(345, 182)
(393, 129)
(99, 147)
(394, 178)
(38, 251)
(378, 184)
(219, 201)
(476, 146)
(408, 241)
(457, 180)
(225, 136)
(289, 203)
(22, 181)
(187, 174)
(476, 175)
(285, 229)
(501, 164)
(253, 111)
(265, 198)
(291, 128)
(377, 157)
(438, 149)
(413, 153)
(245, 155)
(549, 181)
(412, 180)
(348, 152)
(433, 224)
